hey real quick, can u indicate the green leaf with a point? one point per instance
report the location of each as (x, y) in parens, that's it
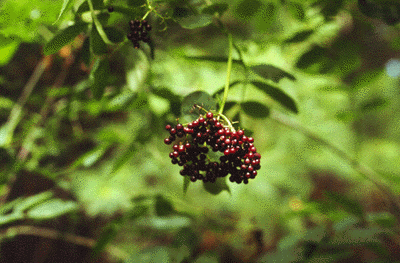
(33, 201)
(66, 4)
(96, 42)
(174, 100)
(152, 255)
(255, 109)
(195, 21)
(136, 3)
(383, 219)
(277, 95)
(7, 50)
(246, 9)
(201, 98)
(99, 75)
(186, 182)
(373, 104)
(217, 187)
(163, 207)
(91, 157)
(105, 238)
(10, 218)
(63, 38)
(351, 206)
(215, 8)
(125, 157)
(215, 59)
(271, 72)
(52, 209)
(114, 34)
(5, 208)
(297, 10)
(316, 60)
(300, 36)
(164, 223)
(221, 90)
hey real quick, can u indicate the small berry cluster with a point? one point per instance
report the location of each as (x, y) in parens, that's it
(139, 32)
(240, 158)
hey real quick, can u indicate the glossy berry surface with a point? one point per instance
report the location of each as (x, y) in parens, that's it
(139, 32)
(207, 150)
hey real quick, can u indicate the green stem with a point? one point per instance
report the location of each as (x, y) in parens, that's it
(98, 25)
(228, 75)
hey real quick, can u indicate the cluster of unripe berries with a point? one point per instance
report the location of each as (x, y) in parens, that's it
(193, 141)
(138, 32)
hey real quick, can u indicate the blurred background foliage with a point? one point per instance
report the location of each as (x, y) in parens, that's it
(86, 177)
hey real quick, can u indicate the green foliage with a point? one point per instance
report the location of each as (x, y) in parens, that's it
(91, 124)
(63, 38)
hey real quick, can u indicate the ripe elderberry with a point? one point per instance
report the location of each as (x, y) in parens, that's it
(139, 32)
(238, 155)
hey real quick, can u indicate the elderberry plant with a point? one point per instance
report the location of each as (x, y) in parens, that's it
(194, 141)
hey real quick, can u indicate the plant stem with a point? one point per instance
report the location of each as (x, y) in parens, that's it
(228, 75)
(98, 25)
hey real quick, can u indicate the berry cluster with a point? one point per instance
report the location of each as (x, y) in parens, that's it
(240, 158)
(139, 32)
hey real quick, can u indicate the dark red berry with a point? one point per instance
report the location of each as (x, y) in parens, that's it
(144, 22)
(168, 127)
(172, 131)
(148, 27)
(179, 126)
(209, 115)
(110, 9)
(250, 139)
(167, 141)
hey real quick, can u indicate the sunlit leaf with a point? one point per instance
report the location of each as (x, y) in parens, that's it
(255, 109)
(65, 6)
(271, 72)
(63, 38)
(52, 209)
(10, 218)
(155, 254)
(277, 94)
(165, 223)
(300, 36)
(32, 201)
